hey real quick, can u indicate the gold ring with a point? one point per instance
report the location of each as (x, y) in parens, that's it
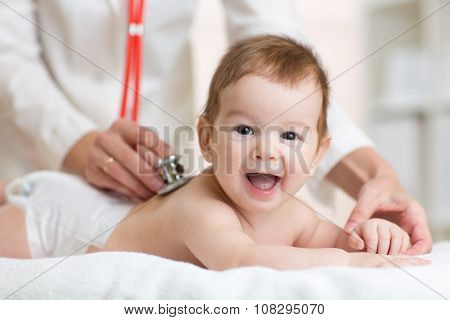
(107, 162)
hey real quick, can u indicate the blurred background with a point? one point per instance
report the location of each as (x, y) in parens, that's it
(399, 94)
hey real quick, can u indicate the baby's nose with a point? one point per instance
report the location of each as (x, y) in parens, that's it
(267, 149)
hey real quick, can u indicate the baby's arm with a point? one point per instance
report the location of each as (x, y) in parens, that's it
(319, 233)
(213, 233)
(372, 236)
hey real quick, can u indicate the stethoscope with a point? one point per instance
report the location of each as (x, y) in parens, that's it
(133, 59)
(170, 170)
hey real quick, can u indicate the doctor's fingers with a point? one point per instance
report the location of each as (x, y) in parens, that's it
(384, 239)
(114, 145)
(150, 140)
(103, 181)
(147, 167)
(420, 237)
(402, 261)
(95, 175)
(365, 207)
(129, 158)
(355, 241)
(115, 170)
(134, 135)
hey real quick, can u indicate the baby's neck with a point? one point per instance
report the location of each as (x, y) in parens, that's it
(252, 218)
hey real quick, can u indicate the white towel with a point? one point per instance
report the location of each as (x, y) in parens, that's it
(122, 275)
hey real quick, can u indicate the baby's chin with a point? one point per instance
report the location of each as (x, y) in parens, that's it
(244, 195)
(248, 203)
(246, 207)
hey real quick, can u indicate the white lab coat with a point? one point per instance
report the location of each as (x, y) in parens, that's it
(61, 66)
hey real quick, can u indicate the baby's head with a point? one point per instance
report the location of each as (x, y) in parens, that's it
(264, 128)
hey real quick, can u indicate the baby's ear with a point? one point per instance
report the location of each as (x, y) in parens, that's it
(204, 131)
(324, 145)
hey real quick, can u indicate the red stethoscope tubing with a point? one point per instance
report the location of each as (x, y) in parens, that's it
(133, 61)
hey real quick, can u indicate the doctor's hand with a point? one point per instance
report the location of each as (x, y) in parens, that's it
(371, 260)
(384, 197)
(121, 159)
(373, 183)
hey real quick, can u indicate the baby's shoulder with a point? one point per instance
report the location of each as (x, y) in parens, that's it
(298, 215)
(200, 197)
(297, 209)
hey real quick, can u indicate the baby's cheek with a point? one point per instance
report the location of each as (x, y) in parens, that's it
(298, 160)
(227, 157)
(297, 167)
(294, 182)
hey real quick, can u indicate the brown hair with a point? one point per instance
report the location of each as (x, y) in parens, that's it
(279, 59)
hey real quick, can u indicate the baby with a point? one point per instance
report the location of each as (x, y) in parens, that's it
(264, 131)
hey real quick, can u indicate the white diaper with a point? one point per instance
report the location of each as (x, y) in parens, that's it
(63, 213)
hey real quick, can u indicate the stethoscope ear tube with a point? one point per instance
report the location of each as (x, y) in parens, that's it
(133, 59)
(170, 171)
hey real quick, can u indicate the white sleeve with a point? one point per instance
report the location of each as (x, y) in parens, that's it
(252, 17)
(346, 137)
(28, 94)
(247, 18)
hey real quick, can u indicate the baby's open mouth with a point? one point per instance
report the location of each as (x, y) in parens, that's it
(263, 181)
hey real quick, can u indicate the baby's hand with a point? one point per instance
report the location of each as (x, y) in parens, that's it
(379, 236)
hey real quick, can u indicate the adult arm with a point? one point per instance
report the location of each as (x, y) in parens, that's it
(28, 95)
(62, 136)
(368, 178)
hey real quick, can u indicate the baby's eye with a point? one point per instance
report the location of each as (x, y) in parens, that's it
(244, 130)
(289, 135)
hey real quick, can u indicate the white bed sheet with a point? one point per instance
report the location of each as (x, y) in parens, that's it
(123, 275)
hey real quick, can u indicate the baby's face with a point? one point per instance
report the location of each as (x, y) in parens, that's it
(262, 148)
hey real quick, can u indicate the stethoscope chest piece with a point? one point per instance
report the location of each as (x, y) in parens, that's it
(171, 172)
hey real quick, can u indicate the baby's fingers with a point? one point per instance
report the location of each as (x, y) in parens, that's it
(369, 234)
(384, 239)
(396, 241)
(406, 242)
